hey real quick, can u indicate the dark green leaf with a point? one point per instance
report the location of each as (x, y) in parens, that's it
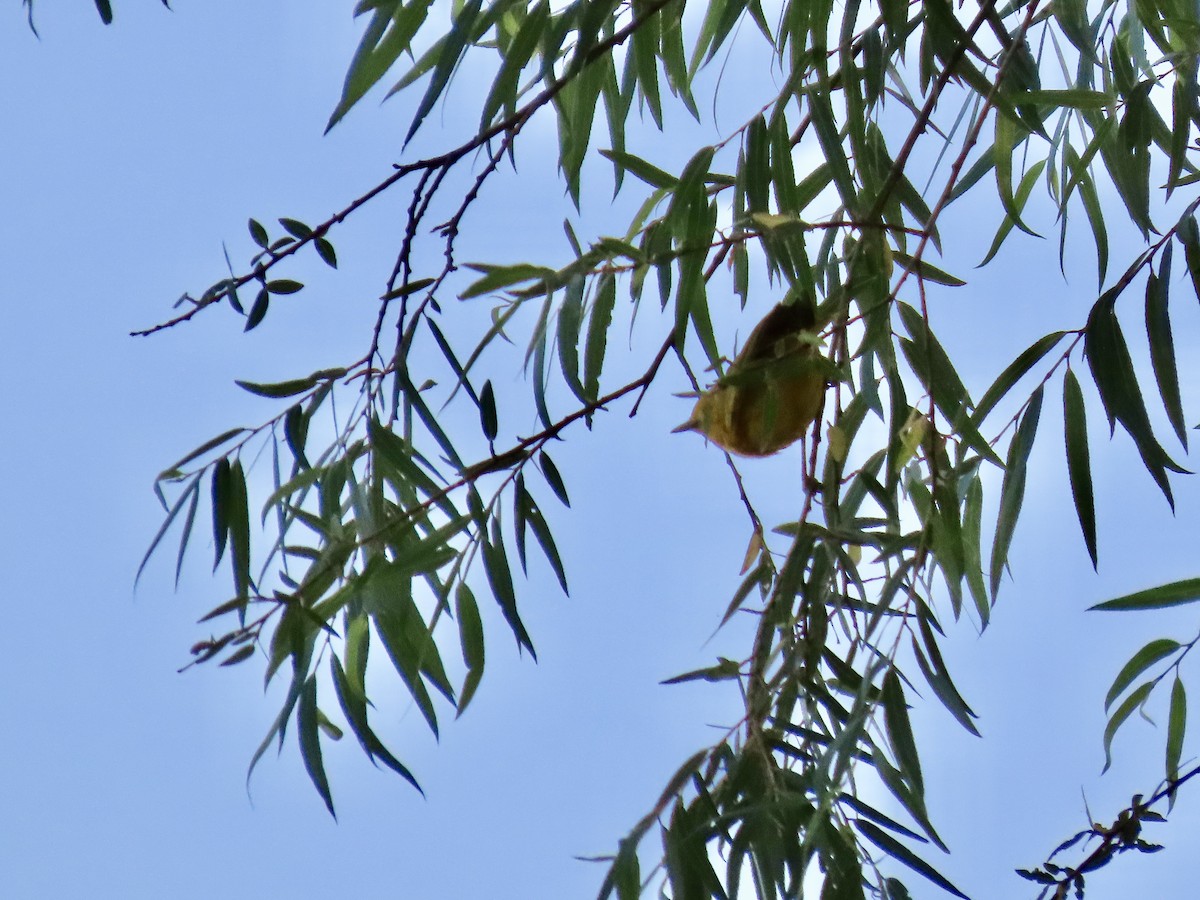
(354, 705)
(326, 251)
(290, 388)
(310, 741)
(651, 174)
(261, 301)
(1013, 373)
(238, 517)
(1012, 490)
(258, 234)
(925, 270)
(1139, 663)
(1176, 728)
(895, 712)
(221, 501)
(900, 853)
(296, 228)
(284, 286)
(470, 635)
(487, 412)
(570, 319)
(597, 334)
(499, 575)
(1079, 469)
(553, 478)
(241, 654)
(1162, 345)
(1132, 702)
(1176, 593)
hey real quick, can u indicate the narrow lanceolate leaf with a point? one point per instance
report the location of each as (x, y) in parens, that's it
(1162, 345)
(1112, 369)
(354, 705)
(553, 478)
(1079, 469)
(1188, 233)
(220, 509)
(387, 36)
(499, 575)
(570, 320)
(1176, 728)
(310, 741)
(1012, 490)
(647, 172)
(900, 853)
(239, 529)
(895, 713)
(470, 636)
(973, 554)
(193, 489)
(1177, 593)
(1016, 370)
(488, 419)
(597, 334)
(1132, 702)
(1139, 663)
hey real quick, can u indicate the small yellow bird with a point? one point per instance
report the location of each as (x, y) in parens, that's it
(772, 391)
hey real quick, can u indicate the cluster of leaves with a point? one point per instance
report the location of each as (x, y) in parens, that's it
(375, 535)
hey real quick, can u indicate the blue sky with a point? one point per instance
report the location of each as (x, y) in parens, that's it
(131, 153)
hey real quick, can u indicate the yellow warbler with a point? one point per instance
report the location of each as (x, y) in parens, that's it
(771, 392)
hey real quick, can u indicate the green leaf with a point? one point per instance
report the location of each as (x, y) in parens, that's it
(497, 277)
(900, 853)
(449, 53)
(241, 654)
(1132, 702)
(1072, 98)
(1177, 593)
(647, 172)
(354, 705)
(1139, 663)
(973, 555)
(326, 251)
(1176, 728)
(206, 446)
(192, 491)
(499, 575)
(296, 228)
(221, 501)
(388, 35)
(1012, 490)
(1115, 378)
(290, 388)
(284, 286)
(261, 301)
(597, 334)
(1188, 233)
(487, 412)
(553, 478)
(1079, 469)
(570, 319)
(938, 677)
(895, 713)
(926, 271)
(238, 517)
(470, 635)
(310, 741)
(1014, 372)
(1162, 345)
(258, 234)
(545, 539)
